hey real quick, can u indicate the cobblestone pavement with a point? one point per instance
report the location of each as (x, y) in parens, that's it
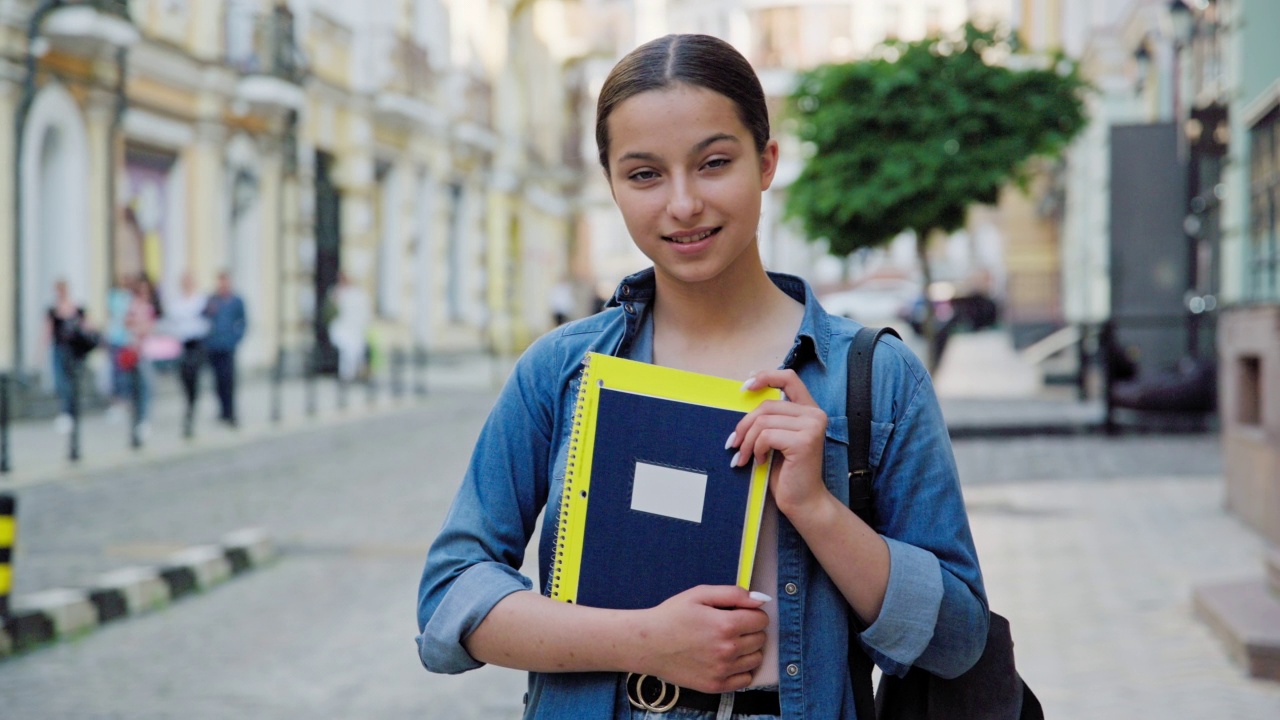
(1090, 546)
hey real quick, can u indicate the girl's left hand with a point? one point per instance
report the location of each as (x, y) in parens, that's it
(795, 428)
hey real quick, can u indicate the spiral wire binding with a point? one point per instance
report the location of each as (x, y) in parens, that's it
(559, 537)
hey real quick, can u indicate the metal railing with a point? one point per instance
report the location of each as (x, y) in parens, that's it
(410, 69)
(264, 45)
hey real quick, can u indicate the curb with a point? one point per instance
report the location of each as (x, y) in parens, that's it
(59, 614)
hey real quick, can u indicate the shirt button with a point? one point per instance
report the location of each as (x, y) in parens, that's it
(629, 309)
(793, 669)
(626, 291)
(792, 588)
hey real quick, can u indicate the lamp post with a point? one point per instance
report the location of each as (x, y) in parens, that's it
(24, 106)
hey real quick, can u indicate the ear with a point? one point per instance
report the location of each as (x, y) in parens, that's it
(768, 164)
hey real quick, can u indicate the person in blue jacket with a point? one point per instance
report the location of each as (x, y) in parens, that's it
(227, 325)
(683, 135)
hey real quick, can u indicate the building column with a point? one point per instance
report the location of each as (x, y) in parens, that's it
(9, 91)
(99, 116)
(206, 200)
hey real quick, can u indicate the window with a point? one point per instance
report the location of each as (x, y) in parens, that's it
(1263, 261)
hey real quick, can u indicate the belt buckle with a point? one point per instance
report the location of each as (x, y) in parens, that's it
(661, 704)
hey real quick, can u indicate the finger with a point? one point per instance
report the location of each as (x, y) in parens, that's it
(782, 433)
(728, 597)
(785, 380)
(774, 408)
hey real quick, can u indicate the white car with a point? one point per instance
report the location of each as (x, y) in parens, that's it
(877, 301)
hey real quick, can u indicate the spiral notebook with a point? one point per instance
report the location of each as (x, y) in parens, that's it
(650, 506)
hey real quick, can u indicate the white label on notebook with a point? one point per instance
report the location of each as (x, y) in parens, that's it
(668, 491)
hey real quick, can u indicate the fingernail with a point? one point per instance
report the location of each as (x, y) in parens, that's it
(747, 385)
(734, 461)
(757, 595)
(732, 436)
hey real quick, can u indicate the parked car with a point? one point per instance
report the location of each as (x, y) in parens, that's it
(876, 301)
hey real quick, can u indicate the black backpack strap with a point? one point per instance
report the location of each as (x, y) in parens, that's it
(857, 406)
(857, 410)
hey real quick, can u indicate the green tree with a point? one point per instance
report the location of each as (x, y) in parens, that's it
(911, 138)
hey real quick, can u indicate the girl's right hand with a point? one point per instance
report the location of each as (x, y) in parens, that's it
(709, 638)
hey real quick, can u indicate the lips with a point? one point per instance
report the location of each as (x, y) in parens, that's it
(690, 238)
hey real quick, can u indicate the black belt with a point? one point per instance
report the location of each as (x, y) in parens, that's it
(646, 692)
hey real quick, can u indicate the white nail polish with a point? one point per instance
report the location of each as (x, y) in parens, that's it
(757, 595)
(734, 462)
(747, 385)
(729, 443)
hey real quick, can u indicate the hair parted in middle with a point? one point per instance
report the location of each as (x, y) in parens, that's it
(697, 60)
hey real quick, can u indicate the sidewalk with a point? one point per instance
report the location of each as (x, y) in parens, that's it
(38, 453)
(987, 390)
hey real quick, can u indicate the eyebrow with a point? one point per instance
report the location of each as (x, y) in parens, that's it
(703, 145)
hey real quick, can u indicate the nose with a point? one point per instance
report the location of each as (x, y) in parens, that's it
(684, 202)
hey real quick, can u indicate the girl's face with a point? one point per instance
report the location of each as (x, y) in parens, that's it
(685, 173)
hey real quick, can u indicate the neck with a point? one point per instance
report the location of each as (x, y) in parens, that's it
(734, 302)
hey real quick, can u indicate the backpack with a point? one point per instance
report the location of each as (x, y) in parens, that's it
(992, 688)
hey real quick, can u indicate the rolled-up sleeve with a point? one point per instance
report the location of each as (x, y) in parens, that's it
(475, 559)
(934, 614)
(909, 613)
(467, 603)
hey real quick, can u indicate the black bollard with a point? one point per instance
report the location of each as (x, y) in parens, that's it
(277, 386)
(420, 370)
(397, 372)
(311, 383)
(73, 373)
(8, 534)
(135, 424)
(4, 424)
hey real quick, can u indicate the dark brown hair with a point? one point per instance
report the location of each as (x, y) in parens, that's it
(698, 60)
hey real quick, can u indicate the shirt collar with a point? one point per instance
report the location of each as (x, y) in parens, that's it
(813, 340)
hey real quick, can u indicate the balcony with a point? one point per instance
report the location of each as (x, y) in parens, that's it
(91, 26)
(263, 49)
(472, 111)
(406, 93)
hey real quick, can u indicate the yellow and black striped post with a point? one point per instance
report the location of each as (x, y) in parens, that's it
(8, 533)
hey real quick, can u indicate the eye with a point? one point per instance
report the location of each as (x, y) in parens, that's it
(716, 163)
(642, 175)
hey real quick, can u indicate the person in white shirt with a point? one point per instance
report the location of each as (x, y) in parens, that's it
(186, 323)
(350, 326)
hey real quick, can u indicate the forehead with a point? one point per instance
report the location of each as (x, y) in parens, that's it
(672, 120)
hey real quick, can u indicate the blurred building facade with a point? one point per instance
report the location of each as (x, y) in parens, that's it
(419, 147)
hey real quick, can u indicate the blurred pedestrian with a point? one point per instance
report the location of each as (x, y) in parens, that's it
(118, 339)
(69, 341)
(188, 325)
(140, 320)
(349, 329)
(562, 301)
(228, 322)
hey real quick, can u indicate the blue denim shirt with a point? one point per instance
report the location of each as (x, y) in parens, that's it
(935, 610)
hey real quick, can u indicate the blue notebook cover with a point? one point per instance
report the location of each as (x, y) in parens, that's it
(634, 559)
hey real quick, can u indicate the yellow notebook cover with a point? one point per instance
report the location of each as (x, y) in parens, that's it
(650, 505)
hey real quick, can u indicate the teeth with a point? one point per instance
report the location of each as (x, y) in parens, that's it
(691, 238)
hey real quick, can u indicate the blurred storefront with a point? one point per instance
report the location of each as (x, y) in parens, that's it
(403, 143)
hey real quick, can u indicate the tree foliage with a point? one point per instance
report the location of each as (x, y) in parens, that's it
(909, 139)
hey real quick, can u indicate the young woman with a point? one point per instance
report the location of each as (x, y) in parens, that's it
(683, 135)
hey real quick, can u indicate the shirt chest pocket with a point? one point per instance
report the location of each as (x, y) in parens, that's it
(836, 452)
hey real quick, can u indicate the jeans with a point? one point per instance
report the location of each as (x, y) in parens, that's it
(679, 713)
(189, 372)
(65, 366)
(224, 378)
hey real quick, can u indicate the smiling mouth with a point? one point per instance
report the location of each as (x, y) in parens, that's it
(689, 239)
